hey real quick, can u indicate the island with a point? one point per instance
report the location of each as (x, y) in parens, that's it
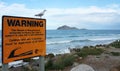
(65, 27)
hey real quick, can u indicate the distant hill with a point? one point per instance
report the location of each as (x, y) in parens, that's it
(65, 27)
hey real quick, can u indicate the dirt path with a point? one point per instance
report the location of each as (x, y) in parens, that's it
(105, 61)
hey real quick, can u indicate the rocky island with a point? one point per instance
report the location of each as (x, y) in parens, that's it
(65, 27)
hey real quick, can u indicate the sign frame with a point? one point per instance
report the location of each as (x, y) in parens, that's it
(3, 60)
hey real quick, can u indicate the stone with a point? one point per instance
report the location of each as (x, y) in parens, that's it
(82, 67)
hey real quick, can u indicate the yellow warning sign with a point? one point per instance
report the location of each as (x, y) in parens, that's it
(22, 37)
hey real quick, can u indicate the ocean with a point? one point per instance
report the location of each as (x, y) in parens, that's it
(58, 41)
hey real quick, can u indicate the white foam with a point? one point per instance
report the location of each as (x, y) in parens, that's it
(99, 39)
(58, 42)
(66, 51)
(35, 58)
(16, 63)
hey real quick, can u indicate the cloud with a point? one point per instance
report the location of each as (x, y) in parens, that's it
(88, 17)
(82, 17)
(16, 9)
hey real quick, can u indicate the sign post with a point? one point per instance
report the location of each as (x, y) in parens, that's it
(22, 37)
(5, 67)
(41, 63)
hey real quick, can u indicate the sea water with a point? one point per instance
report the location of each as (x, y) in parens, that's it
(58, 41)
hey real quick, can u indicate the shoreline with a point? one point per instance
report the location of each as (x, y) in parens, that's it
(100, 57)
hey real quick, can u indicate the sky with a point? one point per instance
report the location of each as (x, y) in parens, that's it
(89, 14)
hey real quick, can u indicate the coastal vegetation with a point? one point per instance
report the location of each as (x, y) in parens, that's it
(60, 62)
(115, 53)
(90, 51)
(115, 44)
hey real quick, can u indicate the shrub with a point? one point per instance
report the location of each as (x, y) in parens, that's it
(97, 51)
(64, 61)
(82, 54)
(76, 49)
(49, 64)
(68, 60)
(90, 51)
(51, 55)
(85, 47)
(60, 63)
(27, 69)
(115, 44)
(115, 53)
(27, 60)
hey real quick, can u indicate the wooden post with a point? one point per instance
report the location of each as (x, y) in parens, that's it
(5, 67)
(41, 63)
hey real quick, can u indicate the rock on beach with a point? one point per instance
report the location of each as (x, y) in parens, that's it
(82, 67)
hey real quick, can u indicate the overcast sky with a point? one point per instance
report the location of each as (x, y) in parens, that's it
(90, 14)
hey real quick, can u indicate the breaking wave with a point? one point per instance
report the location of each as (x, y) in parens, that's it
(83, 40)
